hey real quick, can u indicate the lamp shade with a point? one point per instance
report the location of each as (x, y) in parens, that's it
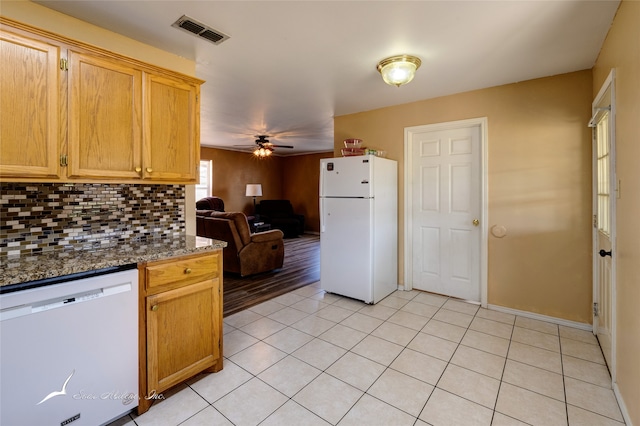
(399, 70)
(254, 190)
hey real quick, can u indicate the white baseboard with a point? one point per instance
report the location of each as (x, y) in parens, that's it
(533, 315)
(623, 407)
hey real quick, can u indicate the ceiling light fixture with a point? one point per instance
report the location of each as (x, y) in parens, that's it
(263, 152)
(398, 70)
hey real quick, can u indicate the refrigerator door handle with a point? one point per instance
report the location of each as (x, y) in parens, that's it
(321, 215)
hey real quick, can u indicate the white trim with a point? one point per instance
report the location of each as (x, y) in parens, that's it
(622, 405)
(608, 83)
(208, 185)
(482, 122)
(540, 317)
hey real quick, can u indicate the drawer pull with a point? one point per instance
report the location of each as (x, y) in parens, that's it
(154, 308)
(187, 270)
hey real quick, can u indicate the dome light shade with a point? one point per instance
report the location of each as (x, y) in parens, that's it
(399, 70)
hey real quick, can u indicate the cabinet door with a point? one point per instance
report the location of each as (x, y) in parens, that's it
(105, 104)
(182, 333)
(30, 105)
(172, 140)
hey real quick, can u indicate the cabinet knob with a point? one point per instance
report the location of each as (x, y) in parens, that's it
(154, 308)
(138, 169)
(149, 169)
(187, 270)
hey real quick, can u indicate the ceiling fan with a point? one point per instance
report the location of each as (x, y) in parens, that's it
(264, 148)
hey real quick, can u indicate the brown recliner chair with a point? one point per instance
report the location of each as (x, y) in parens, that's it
(245, 253)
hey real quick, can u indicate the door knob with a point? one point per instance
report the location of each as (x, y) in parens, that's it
(476, 222)
(604, 253)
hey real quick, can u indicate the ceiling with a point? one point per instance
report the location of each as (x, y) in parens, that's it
(289, 67)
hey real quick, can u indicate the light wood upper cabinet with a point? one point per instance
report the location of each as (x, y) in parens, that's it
(171, 123)
(29, 107)
(102, 117)
(105, 104)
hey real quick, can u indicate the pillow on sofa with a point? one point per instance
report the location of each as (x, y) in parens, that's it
(210, 203)
(205, 213)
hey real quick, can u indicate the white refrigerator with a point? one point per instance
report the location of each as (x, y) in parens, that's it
(359, 227)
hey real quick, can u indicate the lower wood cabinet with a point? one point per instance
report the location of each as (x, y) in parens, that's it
(180, 321)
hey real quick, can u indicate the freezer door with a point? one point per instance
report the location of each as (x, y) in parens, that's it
(346, 247)
(346, 177)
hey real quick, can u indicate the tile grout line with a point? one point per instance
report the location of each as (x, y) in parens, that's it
(504, 367)
(564, 382)
(388, 366)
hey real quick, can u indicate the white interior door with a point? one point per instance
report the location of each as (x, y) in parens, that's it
(446, 208)
(604, 224)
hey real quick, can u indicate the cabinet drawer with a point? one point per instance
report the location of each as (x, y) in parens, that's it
(182, 271)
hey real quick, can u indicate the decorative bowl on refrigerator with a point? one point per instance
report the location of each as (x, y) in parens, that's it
(352, 143)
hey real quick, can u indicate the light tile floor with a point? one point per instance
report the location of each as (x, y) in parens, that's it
(311, 358)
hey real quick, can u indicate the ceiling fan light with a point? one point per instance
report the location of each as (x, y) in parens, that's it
(262, 152)
(399, 70)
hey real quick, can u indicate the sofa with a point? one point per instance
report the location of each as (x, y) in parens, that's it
(210, 203)
(279, 214)
(245, 253)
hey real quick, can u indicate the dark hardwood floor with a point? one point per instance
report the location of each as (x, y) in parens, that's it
(301, 267)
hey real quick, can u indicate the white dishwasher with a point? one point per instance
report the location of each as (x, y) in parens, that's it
(69, 351)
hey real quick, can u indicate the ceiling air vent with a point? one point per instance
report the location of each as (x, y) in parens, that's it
(199, 29)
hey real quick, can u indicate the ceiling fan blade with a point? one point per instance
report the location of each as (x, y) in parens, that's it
(281, 146)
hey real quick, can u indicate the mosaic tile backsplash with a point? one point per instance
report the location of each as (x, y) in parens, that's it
(36, 218)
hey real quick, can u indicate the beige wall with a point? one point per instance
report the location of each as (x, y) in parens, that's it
(56, 22)
(539, 154)
(621, 50)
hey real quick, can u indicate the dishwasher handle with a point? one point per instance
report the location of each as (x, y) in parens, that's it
(62, 301)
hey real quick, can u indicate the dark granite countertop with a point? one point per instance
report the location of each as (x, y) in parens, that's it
(20, 269)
